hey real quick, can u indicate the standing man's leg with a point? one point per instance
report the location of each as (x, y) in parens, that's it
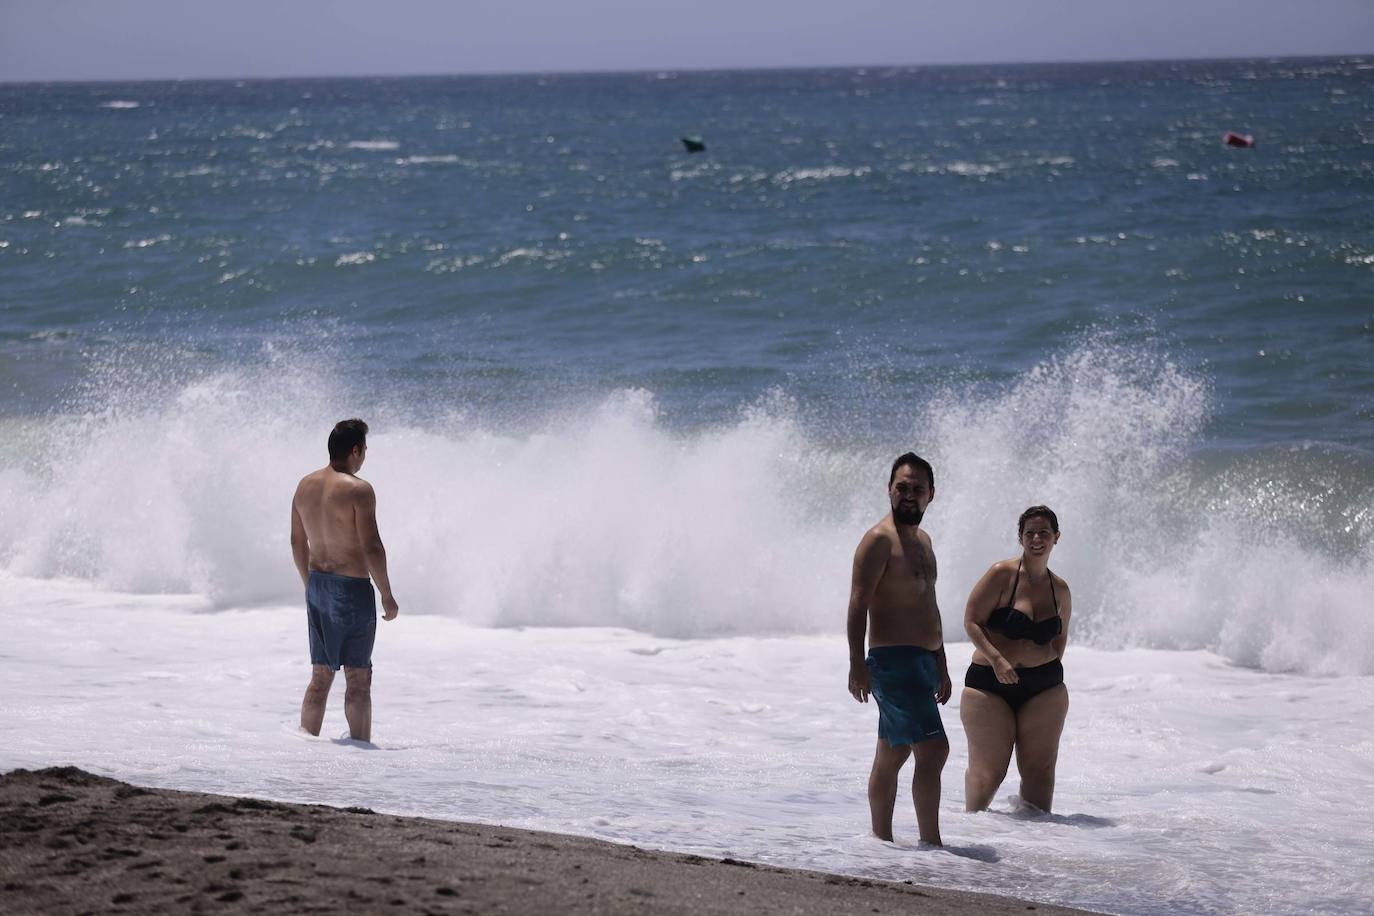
(316, 696)
(882, 786)
(925, 787)
(358, 702)
(1039, 723)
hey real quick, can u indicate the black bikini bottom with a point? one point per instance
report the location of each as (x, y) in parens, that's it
(1032, 681)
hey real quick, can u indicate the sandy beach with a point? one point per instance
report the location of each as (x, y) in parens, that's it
(77, 843)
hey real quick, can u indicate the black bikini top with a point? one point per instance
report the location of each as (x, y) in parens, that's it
(1013, 624)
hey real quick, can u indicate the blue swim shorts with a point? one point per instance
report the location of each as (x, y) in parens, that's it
(904, 680)
(341, 612)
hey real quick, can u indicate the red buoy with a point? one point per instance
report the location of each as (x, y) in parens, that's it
(1243, 141)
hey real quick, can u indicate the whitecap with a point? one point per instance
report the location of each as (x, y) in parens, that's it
(530, 254)
(454, 264)
(787, 176)
(375, 145)
(428, 160)
(149, 242)
(695, 172)
(969, 169)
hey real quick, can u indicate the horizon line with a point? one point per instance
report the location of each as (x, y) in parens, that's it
(1268, 58)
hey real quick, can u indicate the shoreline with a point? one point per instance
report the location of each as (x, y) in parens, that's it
(74, 842)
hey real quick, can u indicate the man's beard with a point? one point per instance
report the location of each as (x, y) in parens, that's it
(903, 516)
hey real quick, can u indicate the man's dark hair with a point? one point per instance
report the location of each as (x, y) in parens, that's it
(914, 460)
(1044, 512)
(344, 437)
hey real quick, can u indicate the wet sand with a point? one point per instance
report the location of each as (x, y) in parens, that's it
(72, 842)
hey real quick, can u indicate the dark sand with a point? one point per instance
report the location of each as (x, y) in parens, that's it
(71, 842)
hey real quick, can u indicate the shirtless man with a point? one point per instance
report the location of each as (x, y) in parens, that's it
(894, 587)
(336, 545)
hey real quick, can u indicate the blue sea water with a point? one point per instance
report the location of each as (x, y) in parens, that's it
(1054, 279)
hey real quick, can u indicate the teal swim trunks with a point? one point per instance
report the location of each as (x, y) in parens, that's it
(904, 680)
(341, 612)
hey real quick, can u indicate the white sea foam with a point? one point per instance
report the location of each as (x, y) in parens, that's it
(376, 145)
(1185, 785)
(744, 528)
(824, 173)
(529, 254)
(120, 103)
(957, 167)
(691, 172)
(454, 264)
(355, 257)
(429, 160)
(976, 169)
(148, 242)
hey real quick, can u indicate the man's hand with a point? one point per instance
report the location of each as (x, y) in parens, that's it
(390, 608)
(1005, 671)
(946, 688)
(859, 687)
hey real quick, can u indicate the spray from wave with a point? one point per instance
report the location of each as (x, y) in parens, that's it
(607, 516)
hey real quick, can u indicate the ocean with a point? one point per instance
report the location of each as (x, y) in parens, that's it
(632, 408)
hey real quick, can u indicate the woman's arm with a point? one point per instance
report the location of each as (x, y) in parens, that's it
(1065, 612)
(981, 601)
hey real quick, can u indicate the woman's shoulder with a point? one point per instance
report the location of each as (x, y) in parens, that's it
(1002, 569)
(1059, 581)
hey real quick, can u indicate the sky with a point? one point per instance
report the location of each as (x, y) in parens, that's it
(171, 39)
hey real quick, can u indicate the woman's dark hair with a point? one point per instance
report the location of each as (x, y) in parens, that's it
(913, 460)
(346, 436)
(1044, 512)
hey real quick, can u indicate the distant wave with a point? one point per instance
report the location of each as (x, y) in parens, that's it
(787, 176)
(148, 242)
(120, 103)
(429, 160)
(957, 167)
(379, 145)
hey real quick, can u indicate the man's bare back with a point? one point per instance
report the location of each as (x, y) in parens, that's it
(327, 502)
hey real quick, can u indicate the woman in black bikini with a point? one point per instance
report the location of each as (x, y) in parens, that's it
(1014, 695)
